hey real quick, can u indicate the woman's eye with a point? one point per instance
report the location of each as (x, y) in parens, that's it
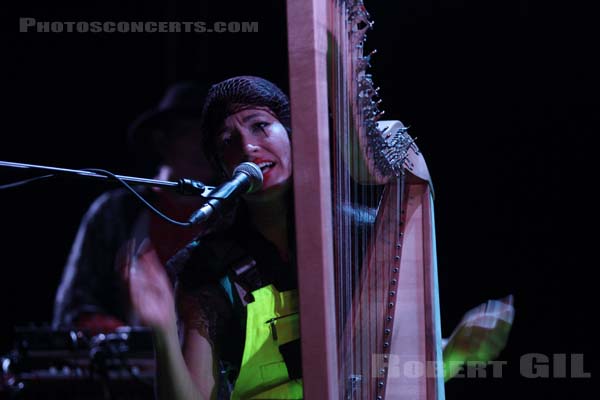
(260, 125)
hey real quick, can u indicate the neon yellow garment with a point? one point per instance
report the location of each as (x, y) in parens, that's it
(272, 320)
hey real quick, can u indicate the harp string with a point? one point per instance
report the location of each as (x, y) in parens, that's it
(360, 297)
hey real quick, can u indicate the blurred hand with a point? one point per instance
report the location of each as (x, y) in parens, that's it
(481, 334)
(150, 289)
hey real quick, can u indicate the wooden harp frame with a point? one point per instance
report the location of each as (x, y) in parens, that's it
(419, 327)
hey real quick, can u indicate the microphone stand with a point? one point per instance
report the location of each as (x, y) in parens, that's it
(183, 186)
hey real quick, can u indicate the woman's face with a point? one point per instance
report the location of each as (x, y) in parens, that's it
(256, 135)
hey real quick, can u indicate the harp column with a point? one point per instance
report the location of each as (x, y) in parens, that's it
(307, 44)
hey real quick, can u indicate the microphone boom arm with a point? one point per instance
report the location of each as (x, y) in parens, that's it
(183, 186)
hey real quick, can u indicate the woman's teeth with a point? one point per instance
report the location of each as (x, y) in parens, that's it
(265, 165)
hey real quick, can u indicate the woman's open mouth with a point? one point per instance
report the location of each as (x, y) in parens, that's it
(265, 166)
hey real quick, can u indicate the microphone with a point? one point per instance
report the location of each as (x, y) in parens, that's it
(247, 178)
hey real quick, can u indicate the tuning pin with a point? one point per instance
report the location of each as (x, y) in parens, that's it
(365, 85)
(366, 94)
(363, 63)
(358, 8)
(362, 82)
(369, 110)
(378, 116)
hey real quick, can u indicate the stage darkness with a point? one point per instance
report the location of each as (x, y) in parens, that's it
(502, 98)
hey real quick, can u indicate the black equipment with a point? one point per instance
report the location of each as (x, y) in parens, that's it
(72, 364)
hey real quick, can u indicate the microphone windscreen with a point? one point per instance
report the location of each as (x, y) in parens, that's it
(253, 172)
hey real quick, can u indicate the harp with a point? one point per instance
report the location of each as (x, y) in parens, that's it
(370, 325)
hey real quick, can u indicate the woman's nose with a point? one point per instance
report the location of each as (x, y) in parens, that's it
(248, 142)
(251, 148)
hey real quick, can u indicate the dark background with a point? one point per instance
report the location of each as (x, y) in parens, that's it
(501, 96)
